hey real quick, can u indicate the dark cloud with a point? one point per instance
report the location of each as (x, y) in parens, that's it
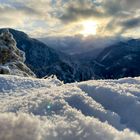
(73, 14)
(131, 23)
(89, 9)
(112, 7)
(80, 10)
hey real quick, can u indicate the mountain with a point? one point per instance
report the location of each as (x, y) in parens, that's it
(43, 60)
(122, 59)
(11, 58)
(119, 60)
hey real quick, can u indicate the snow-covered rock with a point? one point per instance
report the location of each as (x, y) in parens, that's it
(11, 58)
(47, 109)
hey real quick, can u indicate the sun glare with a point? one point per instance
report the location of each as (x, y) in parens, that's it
(89, 28)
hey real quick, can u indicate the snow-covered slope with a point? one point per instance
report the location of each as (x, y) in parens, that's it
(47, 109)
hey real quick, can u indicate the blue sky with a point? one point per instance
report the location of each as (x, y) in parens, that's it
(65, 17)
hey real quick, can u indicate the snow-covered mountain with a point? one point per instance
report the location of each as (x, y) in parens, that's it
(119, 60)
(45, 61)
(116, 61)
(47, 109)
(11, 58)
(101, 58)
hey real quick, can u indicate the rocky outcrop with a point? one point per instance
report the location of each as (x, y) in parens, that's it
(11, 58)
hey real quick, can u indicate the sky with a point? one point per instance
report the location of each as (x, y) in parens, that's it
(42, 18)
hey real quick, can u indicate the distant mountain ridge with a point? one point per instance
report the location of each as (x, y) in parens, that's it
(119, 60)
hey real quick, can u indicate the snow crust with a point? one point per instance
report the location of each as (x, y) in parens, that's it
(47, 109)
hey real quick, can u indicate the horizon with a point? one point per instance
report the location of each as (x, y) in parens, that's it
(59, 18)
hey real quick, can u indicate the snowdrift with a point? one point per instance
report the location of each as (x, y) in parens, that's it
(47, 109)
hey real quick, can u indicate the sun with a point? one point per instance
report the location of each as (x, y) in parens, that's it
(89, 28)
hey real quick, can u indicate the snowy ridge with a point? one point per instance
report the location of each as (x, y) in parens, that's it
(47, 109)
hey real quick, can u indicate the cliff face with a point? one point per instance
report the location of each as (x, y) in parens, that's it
(11, 58)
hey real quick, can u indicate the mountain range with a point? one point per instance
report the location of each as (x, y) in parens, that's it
(118, 60)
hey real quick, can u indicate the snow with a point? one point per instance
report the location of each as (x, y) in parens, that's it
(104, 57)
(47, 109)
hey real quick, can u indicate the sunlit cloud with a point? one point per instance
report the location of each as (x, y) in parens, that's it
(64, 18)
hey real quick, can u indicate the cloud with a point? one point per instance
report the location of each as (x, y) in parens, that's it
(10, 16)
(19, 13)
(111, 14)
(131, 4)
(62, 17)
(131, 23)
(81, 9)
(124, 15)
